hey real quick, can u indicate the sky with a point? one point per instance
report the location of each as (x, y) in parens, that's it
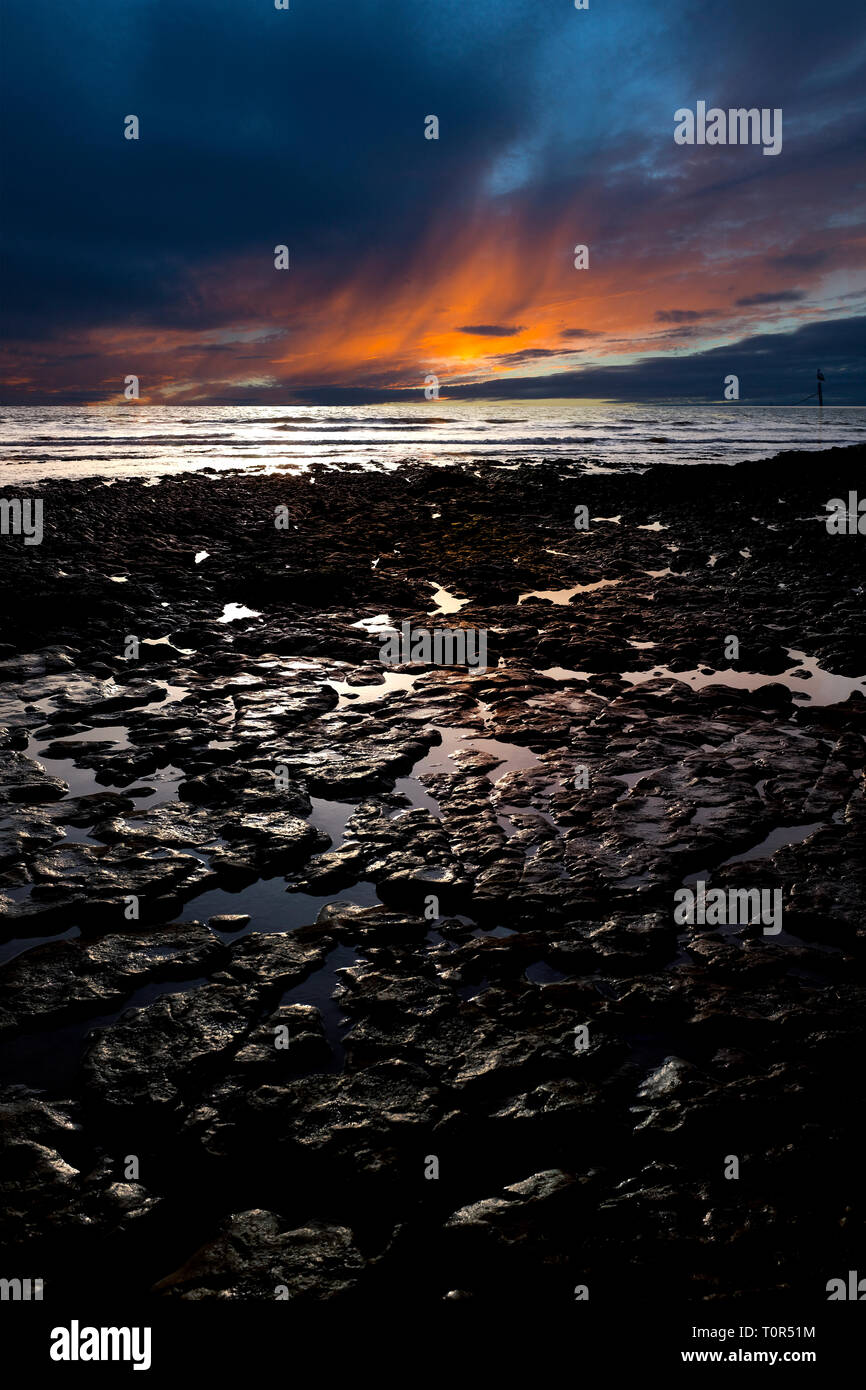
(411, 257)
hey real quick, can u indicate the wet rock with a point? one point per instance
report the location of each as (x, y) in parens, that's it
(31, 665)
(257, 1258)
(671, 1078)
(39, 1146)
(22, 779)
(276, 960)
(67, 979)
(414, 884)
(292, 1039)
(268, 837)
(229, 921)
(94, 883)
(23, 835)
(146, 1064)
(329, 872)
(533, 1224)
(449, 1037)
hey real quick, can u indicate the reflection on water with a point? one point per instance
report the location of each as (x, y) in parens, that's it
(560, 596)
(807, 680)
(112, 441)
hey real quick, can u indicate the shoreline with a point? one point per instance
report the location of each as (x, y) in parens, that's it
(414, 1033)
(600, 457)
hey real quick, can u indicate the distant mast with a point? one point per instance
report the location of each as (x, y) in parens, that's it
(820, 392)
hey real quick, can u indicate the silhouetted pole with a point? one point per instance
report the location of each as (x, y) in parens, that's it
(820, 393)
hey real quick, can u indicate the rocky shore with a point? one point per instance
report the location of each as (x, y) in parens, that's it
(298, 947)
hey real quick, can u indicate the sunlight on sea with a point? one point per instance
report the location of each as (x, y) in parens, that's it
(125, 440)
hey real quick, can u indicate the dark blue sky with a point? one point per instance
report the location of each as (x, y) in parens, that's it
(408, 256)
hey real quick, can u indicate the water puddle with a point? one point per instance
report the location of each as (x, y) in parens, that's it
(782, 836)
(88, 781)
(49, 1060)
(332, 817)
(165, 641)
(439, 759)
(370, 694)
(117, 734)
(777, 839)
(512, 757)
(270, 906)
(446, 602)
(417, 795)
(10, 950)
(165, 782)
(540, 973)
(820, 688)
(80, 780)
(563, 596)
(379, 626)
(631, 779)
(318, 989)
(233, 612)
(560, 673)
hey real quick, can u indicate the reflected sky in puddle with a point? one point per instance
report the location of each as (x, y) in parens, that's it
(562, 596)
(232, 612)
(369, 694)
(318, 990)
(270, 907)
(777, 839)
(445, 601)
(439, 760)
(806, 679)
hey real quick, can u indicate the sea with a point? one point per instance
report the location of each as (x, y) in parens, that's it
(136, 439)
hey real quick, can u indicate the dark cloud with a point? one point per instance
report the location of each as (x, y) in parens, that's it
(681, 315)
(800, 260)
(492, 330)
(770, 297)
(773, 368)
(580, 333)
(533, 354)
(258, 127)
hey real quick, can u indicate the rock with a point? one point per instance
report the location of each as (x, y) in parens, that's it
(22, 779)
(257, 1258)
(147, 1063)
(69, 979)
(521, 901)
